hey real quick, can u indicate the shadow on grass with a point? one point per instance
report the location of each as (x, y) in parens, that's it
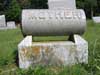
(16, 59)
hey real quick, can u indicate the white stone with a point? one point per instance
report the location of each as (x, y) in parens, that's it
(96, 19)
(27, 42)
(2, 21)
(52, 53)
(11, 25)
(62, 4)
(82, 49)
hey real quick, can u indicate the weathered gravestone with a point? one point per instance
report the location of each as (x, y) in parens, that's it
(11, 25)
(44, 22)
(4, 26)
(96, 19)
(2, 21)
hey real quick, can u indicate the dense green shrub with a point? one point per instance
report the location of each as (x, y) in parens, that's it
(13, 11)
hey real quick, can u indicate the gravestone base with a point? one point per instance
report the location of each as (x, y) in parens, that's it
(3, 28)
(52, 53)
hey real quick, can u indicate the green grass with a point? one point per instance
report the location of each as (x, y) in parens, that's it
(9, 40)
(8, 47)
(49, 38)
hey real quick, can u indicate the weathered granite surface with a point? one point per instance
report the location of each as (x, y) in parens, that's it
(52, 53)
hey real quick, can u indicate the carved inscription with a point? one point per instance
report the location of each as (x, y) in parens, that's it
(46, 15)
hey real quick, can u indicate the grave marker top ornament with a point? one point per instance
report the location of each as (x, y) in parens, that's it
(61, 4)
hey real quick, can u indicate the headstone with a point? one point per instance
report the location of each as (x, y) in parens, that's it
(11, 25)
(96, 19)
(66, 21)
(62, 4)
(2, 21)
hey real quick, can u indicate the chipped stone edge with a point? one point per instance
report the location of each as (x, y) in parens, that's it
(26, 42)
(82, 49)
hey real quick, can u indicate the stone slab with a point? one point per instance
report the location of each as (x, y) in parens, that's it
(62, 4)
(2, 21)
(54, 22)
(96, 19)
(52, 53)
(11, 25)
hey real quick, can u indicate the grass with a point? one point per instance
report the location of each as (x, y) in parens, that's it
(49, 38)
(9, 40)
